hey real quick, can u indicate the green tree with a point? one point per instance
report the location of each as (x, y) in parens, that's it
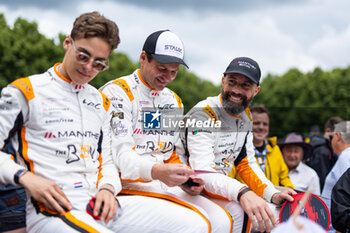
(191, 88)
(24, 51)
(297, 101)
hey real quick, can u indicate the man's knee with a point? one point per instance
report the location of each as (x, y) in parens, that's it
(223, 224)
(197, 223)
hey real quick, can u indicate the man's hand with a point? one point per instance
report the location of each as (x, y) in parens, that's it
(256, 208)
(106, 197)
(45, 191)
(279, 198)
(171, 174)
(194, 190)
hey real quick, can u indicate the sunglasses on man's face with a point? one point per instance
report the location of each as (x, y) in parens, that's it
(84, 58)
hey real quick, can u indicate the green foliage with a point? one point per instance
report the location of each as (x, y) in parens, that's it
(297, 101)
(24, 51)
(192, 89)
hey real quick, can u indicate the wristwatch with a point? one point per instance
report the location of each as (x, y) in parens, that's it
(18, 174)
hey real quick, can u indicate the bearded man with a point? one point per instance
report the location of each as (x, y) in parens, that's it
(213, 151)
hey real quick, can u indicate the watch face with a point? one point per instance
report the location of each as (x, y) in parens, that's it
(314, 209)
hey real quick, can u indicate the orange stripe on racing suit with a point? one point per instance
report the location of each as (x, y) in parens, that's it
(246, 224)
(71, 221)
(30, 165)
(166, 198)
(143, 81)
(208, 110)
(99, 176)
(59, 75)
(247, 111)
(247, 173)
(106, 101)
(137, 180)
(124, 85)
(24, 151)
(222, 198)
(174, 158)
(216, 196)
(77, 224)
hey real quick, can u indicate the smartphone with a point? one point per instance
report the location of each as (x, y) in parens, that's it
(189, 183)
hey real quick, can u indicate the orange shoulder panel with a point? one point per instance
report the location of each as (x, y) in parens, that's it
(25, 86)
(208, 110)
(174, 158)
(124, 85)
(106, 101)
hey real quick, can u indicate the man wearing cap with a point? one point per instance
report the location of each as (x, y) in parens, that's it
(147, 153)
(230, 143)
(294, 150)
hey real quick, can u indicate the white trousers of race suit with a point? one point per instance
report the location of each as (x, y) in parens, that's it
(139, 214)
(151, 215)
(217, 217)
(238, 215)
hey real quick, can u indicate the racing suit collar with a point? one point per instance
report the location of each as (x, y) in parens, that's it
(66, 82)
(58, 74)
(145, 87)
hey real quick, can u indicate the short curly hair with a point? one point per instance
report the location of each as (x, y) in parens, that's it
(93, 24)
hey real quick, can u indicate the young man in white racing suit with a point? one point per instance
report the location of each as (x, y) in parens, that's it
(144, 149)
(60, 127)
(227, 141)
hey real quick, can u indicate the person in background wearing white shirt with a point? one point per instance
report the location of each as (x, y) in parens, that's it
(294, 150)
(340, 141)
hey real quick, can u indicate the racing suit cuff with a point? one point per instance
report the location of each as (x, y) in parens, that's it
(235, 191)
(112, 182)
(269, 192)
(8, 169)
(146, 169)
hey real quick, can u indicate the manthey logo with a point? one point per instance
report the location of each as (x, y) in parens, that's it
(72, 134)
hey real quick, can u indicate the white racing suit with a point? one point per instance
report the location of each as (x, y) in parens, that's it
(225, 141)
(142, 140)
(61, 131)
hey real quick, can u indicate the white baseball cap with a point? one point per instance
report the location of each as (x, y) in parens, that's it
(165, 47)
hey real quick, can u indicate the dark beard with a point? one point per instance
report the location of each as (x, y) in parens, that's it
(231, 107)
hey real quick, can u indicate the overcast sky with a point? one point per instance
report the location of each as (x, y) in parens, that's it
(278, 34)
